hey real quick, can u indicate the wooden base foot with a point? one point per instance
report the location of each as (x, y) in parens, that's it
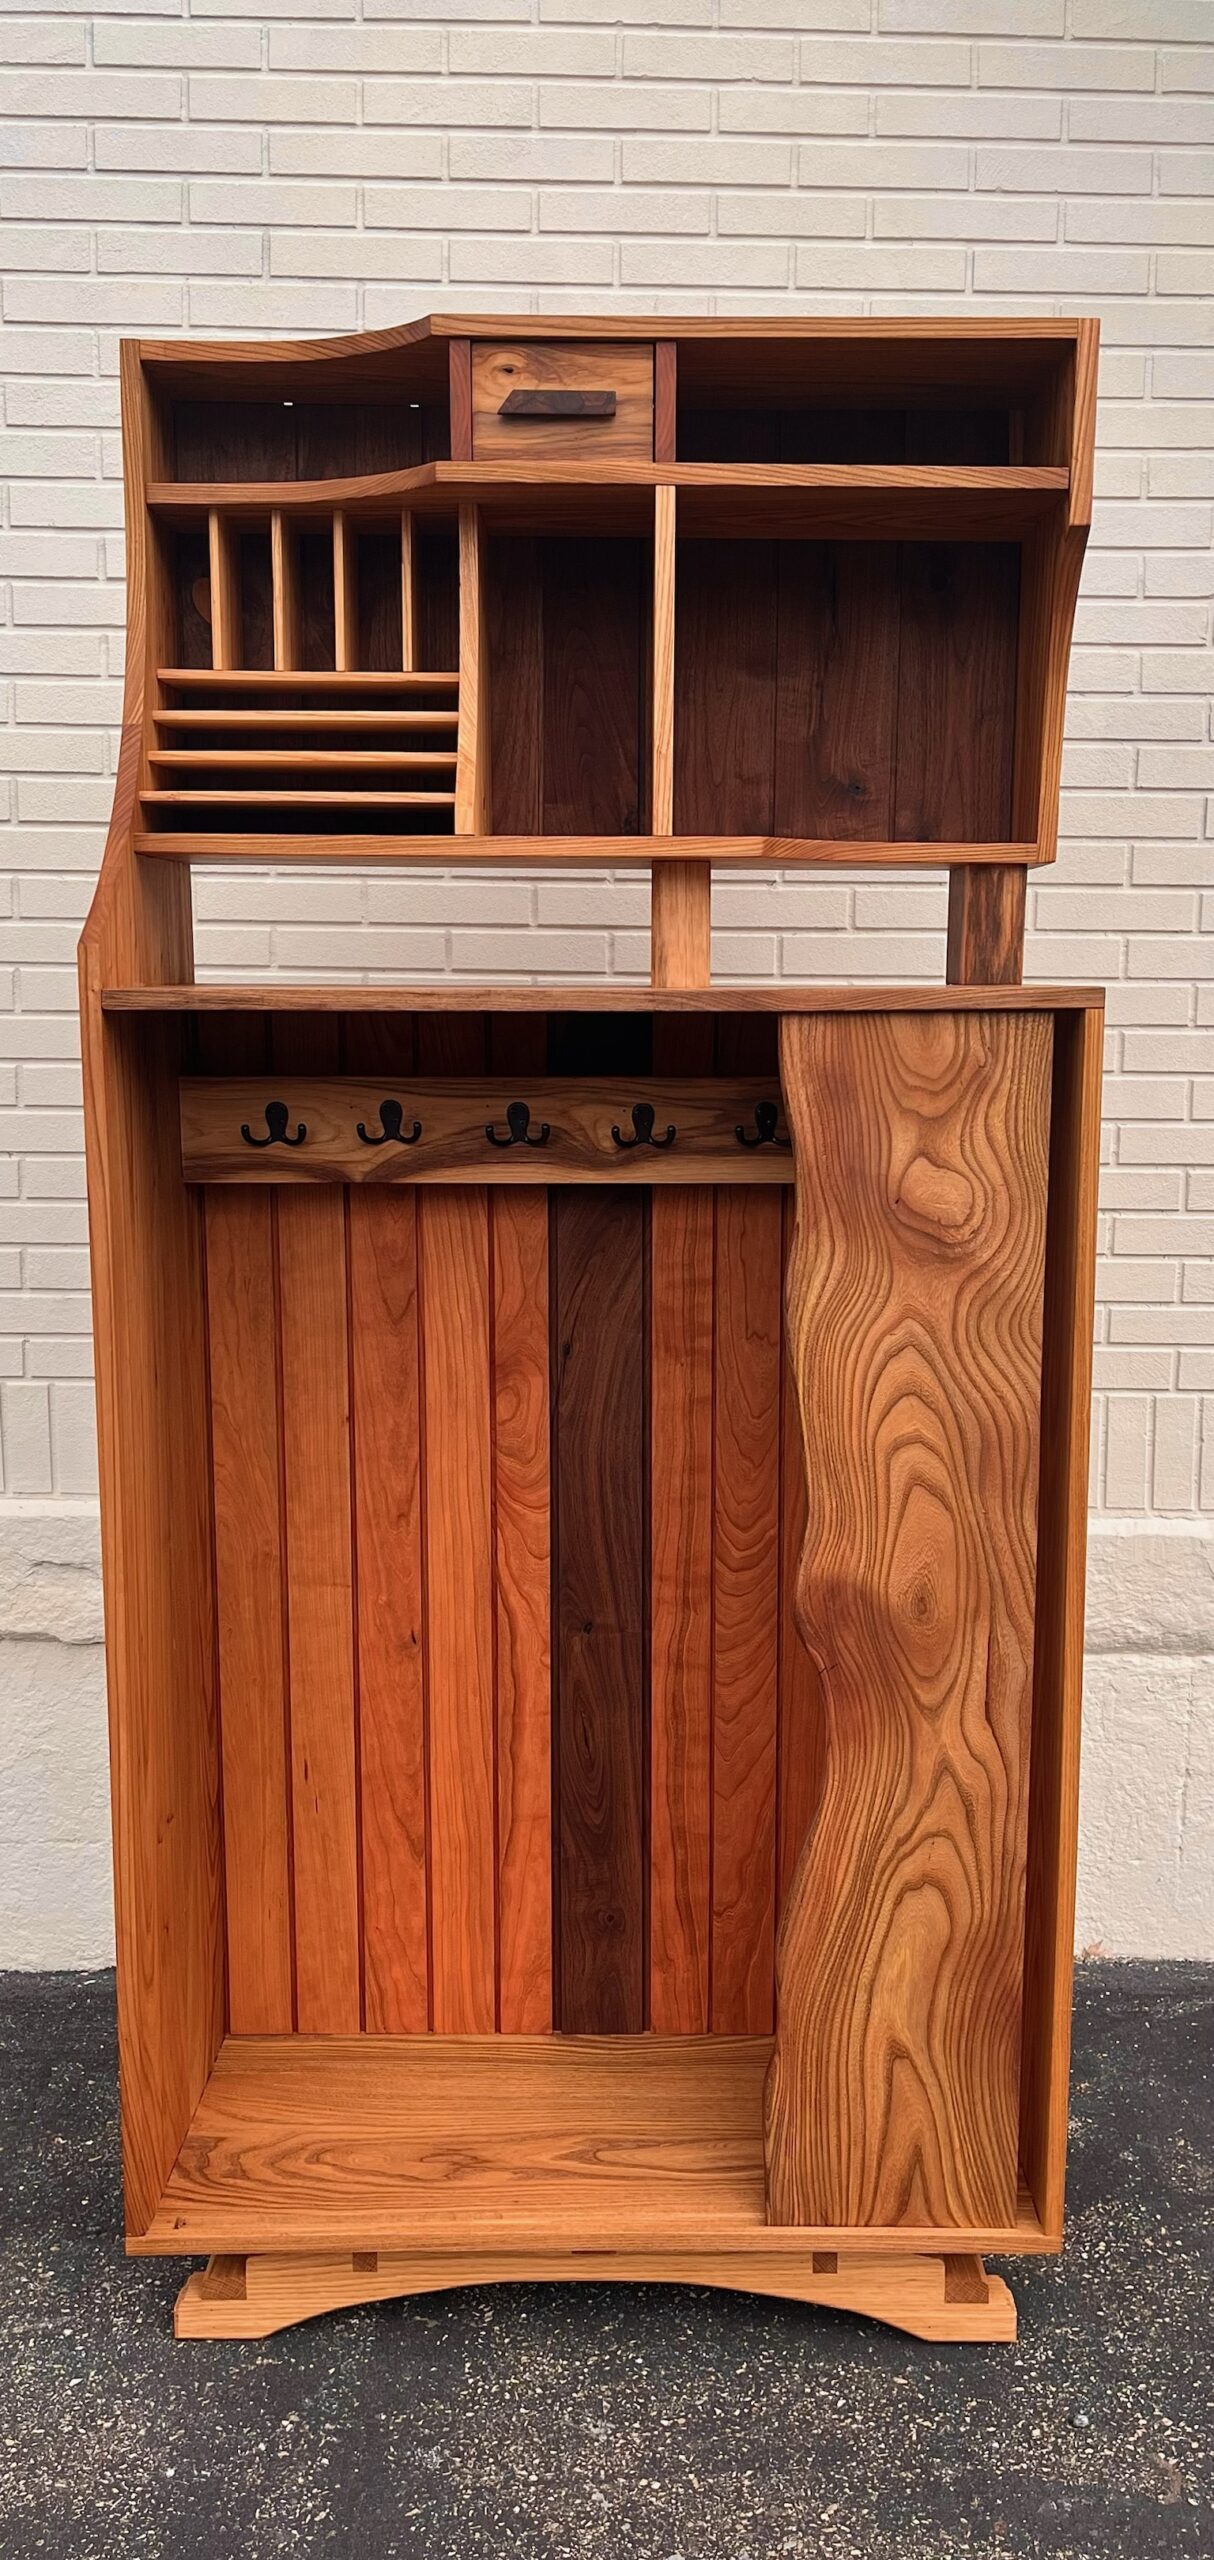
(929, 2297)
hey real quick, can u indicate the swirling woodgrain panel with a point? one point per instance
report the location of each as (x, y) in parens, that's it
(914, 1310)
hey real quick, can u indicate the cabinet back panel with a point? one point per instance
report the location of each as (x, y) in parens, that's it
(845, 689)
(569, 648)
(844, 435)
(516, 1732)
(307, 440)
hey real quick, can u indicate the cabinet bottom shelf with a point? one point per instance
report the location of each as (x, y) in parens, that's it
(545, 2146)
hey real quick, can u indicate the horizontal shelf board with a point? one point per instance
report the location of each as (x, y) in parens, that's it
(608, 853)
(322, 718)
(290, 759)
(455, 997)
(249, 799)
(306, 680)
(863, 499)
(640, 2142)
(453, 1115)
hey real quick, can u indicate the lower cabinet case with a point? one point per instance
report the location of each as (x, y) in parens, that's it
(595, 1656)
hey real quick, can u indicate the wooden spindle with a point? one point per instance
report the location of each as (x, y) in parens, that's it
(345, 594)
(284, 591)
(225, 593)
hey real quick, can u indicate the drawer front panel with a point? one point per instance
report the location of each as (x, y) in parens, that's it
(542, 384)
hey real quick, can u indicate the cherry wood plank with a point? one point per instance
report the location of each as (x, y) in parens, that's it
(320, 1615)
(915, 1317)
(453, 1265)
(681, 1665)
(600, 1633)
(249, 1611)
(522, 1600)
(745, 1609)
(391, 1682)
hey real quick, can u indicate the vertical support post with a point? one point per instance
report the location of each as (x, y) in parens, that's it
(460, 379)
(680, 916)
(986, 924)
(408, 594)
(472, 743)
(345, 594)
(225, 594)
(284, 591)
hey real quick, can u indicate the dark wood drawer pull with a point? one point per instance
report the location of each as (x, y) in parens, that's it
(558, 404)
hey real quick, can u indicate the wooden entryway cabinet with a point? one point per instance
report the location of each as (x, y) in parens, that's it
(593, 1477)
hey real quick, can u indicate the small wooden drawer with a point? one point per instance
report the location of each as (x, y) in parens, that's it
(561, 400)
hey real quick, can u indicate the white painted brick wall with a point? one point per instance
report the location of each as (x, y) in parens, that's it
(329, 167)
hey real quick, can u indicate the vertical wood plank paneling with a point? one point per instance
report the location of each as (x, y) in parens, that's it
(391, 1694)
(836, 685)
(681, 1542)
(453, 1264)
(600, 1633)
(724, 705)
(523, 1563)
(320, 1622)
(745, 1608)
(248, 1607)
(915, 1317)
(956, 686)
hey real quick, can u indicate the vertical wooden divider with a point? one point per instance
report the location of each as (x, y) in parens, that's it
(408, 592)
(680, 896)
(225, 592)
(284, 591)
(472, 741)
(986, 924)
(345, 592)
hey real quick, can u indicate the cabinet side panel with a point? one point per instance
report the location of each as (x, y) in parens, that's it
(148, 1298)
(1066, 1389)
(915, 1317)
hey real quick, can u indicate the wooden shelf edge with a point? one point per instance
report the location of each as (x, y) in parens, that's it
(456, 997)
(431, 484)
(609, 853)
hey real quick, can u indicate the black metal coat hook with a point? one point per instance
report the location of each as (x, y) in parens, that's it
(518, 1122)
(276, 1123)
(642, 1125)
(766, 1116)
(391, 1117)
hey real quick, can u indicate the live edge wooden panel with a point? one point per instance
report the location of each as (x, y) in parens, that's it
(593, 1478)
